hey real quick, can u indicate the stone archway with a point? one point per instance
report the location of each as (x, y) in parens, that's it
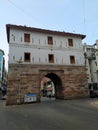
(55, 77)
(70, 81)
(57, 83)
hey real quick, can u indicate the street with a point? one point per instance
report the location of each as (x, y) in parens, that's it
(80, 114)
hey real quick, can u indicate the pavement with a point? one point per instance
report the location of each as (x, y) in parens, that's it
(51, 114)
(94, 103)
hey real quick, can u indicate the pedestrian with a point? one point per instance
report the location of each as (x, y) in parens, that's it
(4, 89)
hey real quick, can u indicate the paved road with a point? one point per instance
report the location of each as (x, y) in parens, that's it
(81, 114)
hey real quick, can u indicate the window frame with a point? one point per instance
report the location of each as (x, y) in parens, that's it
(26, 37)
(50, 40)
(29, 57)
(70, 42)
(72, 59)
(51, 58)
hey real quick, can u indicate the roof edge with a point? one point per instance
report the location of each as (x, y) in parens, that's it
(62, 33)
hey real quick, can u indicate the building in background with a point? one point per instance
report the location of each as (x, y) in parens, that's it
(36, 53)
(96, 55)
(91, 62)
(3, 72)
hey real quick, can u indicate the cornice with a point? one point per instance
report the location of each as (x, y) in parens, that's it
(45, 47)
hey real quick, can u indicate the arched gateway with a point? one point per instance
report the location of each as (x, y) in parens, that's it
(35, 53)
(70, 81)
(57, 81)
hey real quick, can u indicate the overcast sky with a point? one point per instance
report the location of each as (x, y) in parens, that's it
(75, 16)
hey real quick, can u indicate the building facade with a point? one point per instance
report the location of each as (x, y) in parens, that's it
(96, 54)
(91, 62)
(37, 53)
(2, 65)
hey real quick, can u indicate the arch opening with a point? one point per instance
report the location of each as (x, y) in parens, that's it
(51, 86)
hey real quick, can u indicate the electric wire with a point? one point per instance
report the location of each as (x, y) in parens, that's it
(23, 11)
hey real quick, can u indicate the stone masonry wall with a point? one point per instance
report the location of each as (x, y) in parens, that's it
(24, 78)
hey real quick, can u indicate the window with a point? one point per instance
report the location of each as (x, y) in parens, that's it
(26, 37)
(72, 59)
(26, 57)
(70, 42)
(50, 40)
(51, 58)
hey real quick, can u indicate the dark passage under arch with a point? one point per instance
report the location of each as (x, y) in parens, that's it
(57, 83)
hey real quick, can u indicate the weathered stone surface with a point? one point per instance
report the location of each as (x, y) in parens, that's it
(24, 78)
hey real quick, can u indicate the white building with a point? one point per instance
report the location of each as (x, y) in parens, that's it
(38, 46)
(35, 53)
(2, 65)
(96, 54)
(91, 62)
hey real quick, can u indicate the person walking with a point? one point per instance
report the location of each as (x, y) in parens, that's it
(3, 89)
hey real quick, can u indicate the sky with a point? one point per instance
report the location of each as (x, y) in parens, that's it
(74, 16)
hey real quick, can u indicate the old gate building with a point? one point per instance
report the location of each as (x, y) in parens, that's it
(37, 53)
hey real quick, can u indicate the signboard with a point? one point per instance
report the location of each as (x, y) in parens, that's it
(31, 97)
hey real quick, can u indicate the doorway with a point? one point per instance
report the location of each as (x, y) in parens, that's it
(51, 87)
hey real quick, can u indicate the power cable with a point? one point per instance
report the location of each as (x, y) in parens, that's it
(23, 11)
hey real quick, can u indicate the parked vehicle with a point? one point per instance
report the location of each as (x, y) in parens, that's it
(93, 89)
